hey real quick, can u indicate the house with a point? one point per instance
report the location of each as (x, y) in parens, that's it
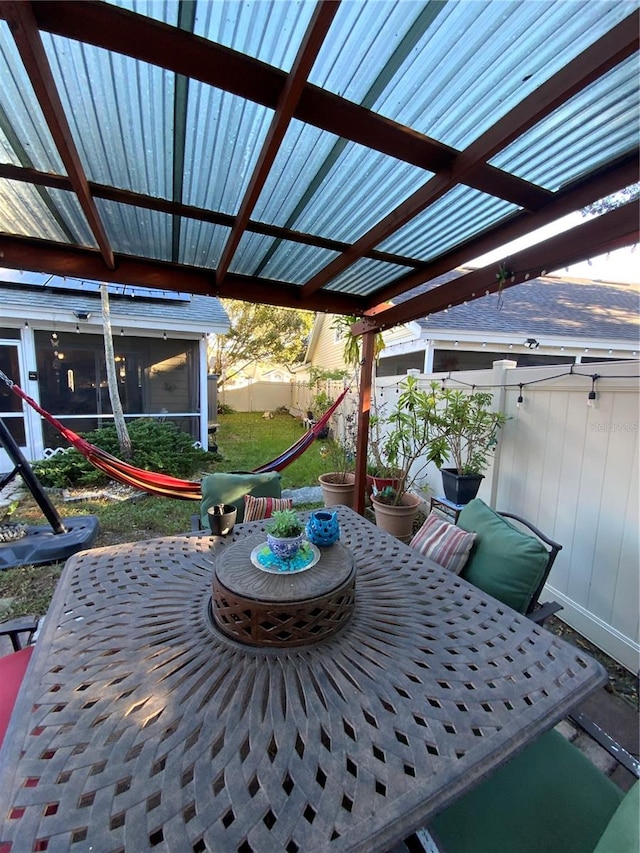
(547, 320)
(52, 346)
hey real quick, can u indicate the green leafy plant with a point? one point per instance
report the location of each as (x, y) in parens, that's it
(285, 524)
(339, 454)
(412, 438)
(469, 428)
(159, 447)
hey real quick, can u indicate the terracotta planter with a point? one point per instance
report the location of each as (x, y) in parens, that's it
(397, 520)
(380, 483)
(338, 489)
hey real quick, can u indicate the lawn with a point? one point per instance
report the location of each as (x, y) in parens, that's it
(245, 441)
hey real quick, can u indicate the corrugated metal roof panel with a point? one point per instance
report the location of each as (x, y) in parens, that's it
(575, 138)
(365, 276)
(283, 260)
(322, 184)
(25, 137)
(442, 68)
(217, 170)
(201, 243)
(42, 212)
(459, 214)
(137, 231)
(270, 30)
(118, 108)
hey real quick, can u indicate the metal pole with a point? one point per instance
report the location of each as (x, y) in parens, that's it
(30, 479)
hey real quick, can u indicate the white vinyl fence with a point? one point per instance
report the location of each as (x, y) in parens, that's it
(571, 469)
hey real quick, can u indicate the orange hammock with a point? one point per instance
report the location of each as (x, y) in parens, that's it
(163, 484)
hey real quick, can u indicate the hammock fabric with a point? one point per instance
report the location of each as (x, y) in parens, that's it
(163, 484)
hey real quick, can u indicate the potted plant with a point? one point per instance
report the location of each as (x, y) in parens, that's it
(412, 439)
(338, 484)
(470, 431)
(284, 533)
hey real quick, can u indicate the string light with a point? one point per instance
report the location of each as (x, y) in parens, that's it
(164, 336)
(520, 399)
(591, 398)
(121, 333)
(77, 329)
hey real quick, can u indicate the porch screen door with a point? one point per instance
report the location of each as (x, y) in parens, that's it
(11, 405)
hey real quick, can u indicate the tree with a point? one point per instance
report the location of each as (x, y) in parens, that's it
(260, 333)
(112, 380)
(610, 202)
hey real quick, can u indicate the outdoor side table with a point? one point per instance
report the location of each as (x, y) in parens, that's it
(141, 727)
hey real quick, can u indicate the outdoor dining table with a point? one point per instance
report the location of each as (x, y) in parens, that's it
(143, 726)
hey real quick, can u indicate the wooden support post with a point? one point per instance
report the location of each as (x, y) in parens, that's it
(364, 410)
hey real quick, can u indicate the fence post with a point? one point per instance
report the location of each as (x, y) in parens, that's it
(498, 376)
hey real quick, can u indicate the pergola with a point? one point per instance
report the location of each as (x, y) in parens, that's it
(321, 155)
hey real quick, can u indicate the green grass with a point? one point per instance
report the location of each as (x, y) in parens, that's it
(245, 441)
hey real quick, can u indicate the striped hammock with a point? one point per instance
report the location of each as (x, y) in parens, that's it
(163, 484)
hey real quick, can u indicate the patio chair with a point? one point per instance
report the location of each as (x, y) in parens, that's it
(507, 562)
(549, 798)
(14, 665)
(231, 488)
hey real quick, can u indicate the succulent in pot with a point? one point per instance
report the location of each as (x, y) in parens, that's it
(284, 533)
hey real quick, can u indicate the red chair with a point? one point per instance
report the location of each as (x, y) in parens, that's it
(13, 666)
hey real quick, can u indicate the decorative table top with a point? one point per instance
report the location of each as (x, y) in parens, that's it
(141, 727)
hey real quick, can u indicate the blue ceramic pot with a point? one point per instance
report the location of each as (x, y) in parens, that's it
(323, 527)
(285, 549)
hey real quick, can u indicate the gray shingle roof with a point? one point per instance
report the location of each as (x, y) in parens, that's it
(187, 311)
(548, 306)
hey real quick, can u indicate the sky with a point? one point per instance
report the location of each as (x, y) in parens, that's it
(622, 266)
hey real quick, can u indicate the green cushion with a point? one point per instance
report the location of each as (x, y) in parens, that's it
(504, 562)
(548, 799)
(622, 834)
(231, 489)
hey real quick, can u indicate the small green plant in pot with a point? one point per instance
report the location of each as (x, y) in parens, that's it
(470, 431)
(284, 533)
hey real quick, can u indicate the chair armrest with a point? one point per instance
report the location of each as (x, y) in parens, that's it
(21, 625)
(541, 613)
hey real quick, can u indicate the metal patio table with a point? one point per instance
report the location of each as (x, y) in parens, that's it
(141, 727)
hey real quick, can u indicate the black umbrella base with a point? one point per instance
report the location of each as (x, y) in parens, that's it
(42, 545)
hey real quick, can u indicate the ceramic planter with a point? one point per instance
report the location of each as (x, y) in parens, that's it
(460, 488)
(284, 547)
(397, 520)
(222, 519)
(338, 492)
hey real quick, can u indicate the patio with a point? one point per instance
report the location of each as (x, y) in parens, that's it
(327, 156)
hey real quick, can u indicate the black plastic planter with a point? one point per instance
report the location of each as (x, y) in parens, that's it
(460, 488)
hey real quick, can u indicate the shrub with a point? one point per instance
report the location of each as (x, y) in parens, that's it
(156, 447)
(225, 409)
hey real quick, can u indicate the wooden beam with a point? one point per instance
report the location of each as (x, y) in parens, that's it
(24, 29)
(174, 208)
(612, 48)
(314, 37)
(364, 415)
(572, 198)
(22, 253)
(608, 232)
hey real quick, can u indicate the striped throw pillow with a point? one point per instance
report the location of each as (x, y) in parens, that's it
(444, 543)
(255, 509)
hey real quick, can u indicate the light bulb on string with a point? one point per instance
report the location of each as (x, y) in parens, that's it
(77, 329)
(520, 399)
(592, 396)
(164, 336)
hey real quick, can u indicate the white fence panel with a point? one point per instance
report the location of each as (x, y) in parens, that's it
(573, 471)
